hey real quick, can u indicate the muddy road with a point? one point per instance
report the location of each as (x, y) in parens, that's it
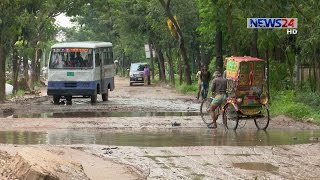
(148, 132)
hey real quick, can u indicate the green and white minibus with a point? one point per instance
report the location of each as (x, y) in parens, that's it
(80, 69)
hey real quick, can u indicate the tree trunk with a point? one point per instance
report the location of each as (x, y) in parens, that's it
(278, 55)
(219, 58)
(297, 71)
(206, 55)
(254, 43)
(151, 59)
(232, 38)
(15, 69)
(162, 74)
(180, 70)
(198, 56)
(187, 74)
(38, 71)
(315, 71)
(317, 56)
(123, 65)
(34, 69)
(267, 73)
(171, 70)
(26, 77)
(2, 74)
(182, 49)
(311, 78)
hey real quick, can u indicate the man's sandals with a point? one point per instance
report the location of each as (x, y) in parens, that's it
(212, 125)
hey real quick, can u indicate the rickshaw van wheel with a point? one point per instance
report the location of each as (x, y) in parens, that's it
(263, 122)
(205, 111)
(230, 117)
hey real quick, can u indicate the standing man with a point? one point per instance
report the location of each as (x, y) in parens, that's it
(205, 78)
(219, 87)
(199, 81)
(146, 73)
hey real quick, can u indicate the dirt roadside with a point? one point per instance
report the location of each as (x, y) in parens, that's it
(126, 162)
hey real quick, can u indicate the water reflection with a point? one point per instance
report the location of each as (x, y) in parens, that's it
(102, 114)
(23, 137)
(175, 137)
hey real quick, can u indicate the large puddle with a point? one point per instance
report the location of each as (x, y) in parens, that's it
(99, 114)
(199, 137)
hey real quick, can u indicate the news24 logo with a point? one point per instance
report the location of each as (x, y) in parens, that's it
(291, 24)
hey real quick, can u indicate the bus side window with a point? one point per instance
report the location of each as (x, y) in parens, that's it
(89, 60)
(97, 60)
(110, 56)
(104, 56)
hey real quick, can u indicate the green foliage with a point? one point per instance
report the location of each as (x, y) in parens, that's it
(184, 88)
(278, 76)
(212, 66)
(301, 108)
(311, 99)
(129, 25)
(19, 93)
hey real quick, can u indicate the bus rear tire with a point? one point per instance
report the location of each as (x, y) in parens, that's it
(94, 98)
(56, 99)
(105, 96)
(69, 100)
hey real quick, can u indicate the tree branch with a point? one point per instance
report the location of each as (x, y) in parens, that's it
(299, 10)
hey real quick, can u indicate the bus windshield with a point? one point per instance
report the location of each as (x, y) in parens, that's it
(65, 58)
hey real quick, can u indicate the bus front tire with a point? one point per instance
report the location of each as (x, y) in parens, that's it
(94, 98)
(56, 99)
(69, 100)
(105, 96)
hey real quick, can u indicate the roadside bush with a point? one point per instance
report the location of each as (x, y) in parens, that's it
(19, 93)
(289, 103)
(184, 88)
(311, 99)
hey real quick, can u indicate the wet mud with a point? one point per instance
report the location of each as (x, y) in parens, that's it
(154, 132)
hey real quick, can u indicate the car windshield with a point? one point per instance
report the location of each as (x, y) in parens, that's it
(137, 67)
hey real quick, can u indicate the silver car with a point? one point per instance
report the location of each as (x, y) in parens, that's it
(136, 73)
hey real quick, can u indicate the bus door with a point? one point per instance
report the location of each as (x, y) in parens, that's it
(103, 84)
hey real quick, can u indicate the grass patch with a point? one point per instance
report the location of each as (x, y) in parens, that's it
(19, 93)
(301, 106)
(184, 88)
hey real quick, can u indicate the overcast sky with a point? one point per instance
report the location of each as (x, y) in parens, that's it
(63, 20)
